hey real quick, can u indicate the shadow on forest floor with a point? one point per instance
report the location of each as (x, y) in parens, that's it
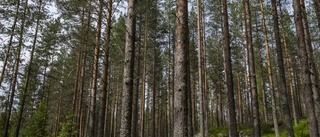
(267, 130)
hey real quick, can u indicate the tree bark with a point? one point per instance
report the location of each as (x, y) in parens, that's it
(126, 117)
(104, 92)
(305, 71)
(180, 70)
(270, 77)
(142, 98)
(314, 76)
(252, 72)
(282, 77)
(95, 73)
(228, 72)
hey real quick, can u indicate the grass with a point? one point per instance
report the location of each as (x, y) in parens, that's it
(300, 130)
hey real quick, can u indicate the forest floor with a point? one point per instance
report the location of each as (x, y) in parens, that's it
(267, 130)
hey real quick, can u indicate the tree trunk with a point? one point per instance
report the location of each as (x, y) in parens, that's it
(26, 85)
(271, 86)
(284, 96)
(305, 73)
(288, 65)
(142, 98)
(104, 92)
(126, 117)
(16, 70)
(95, 73)
(228, 72)
(203, 128)
(252, 72)
(314, 76)
(180, 70)
(5, 61)
(154, 120)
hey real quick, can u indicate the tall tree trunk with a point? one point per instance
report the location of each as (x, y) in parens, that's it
(288, 65)
(180, 70)
(270, 77)
(5, 61)
(252, 72)
(282, 78)
(136, 92)
(312, 66)
(228, 72)
(27, 79)
(104, 92)
(95, 73)
(126, 117)
(16, 70)
(142, 98)
(203, 128)
(154, 120)
(305, 73)
(169, 85)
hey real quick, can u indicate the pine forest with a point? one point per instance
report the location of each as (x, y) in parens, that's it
(159, 68)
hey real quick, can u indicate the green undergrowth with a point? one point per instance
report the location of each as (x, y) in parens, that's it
(267, 130)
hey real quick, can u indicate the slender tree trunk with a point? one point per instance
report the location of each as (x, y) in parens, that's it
(169, 84)
(16, 70)
(136, 93)
(228, 72)
(26, 85)
(126, 117)
(305, 73)
(203, 129)
(95, 73)
(5, 61)
(271, 86)
(142, 98)
(252, 72)
(288, 65)
(154, 123)
(180, 70)
(104, 92)
(284, 96)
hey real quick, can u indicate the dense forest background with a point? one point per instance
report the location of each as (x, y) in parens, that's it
(159, 68)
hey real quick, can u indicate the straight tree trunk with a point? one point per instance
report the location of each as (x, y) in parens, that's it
(142, 98)
(95, 73)
(126, 116)
(228, 72)
(136, 92)
(5, 61)
(154, 120)
(252, 72)
(203, 129)
(282, 78)
(312, 66)
(16, 70)
(180, 70)
(26, 85)
(288, 65)
(104, 92)
(271, 86)
(305, 73)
